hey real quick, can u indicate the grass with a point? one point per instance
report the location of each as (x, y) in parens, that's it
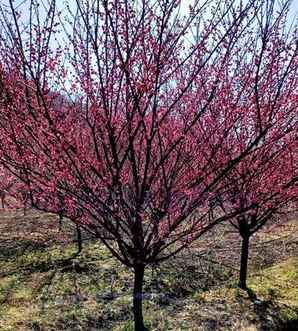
(278, 282)
(50, 288)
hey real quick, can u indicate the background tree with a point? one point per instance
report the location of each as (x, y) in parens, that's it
(136, 153)
(267, 178)
(6, 183)
(269, 182)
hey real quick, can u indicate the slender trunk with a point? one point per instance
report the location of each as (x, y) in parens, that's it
(25, 198)
(2, 200)
(138, 298)
(79, 239)
(60, 222)
(244, 262)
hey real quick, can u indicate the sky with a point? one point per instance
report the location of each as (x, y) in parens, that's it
(62, 3)
(24, 6)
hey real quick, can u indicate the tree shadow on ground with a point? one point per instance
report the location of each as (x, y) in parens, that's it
(269, 313)
(64, 265)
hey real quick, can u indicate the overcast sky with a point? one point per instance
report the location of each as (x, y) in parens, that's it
(184, 5)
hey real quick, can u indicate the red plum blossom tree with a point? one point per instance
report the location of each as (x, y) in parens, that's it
(121, 123)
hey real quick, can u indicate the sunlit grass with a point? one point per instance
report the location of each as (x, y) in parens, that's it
(53, 289)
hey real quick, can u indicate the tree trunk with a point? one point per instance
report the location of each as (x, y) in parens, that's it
(138, 298)
(244, 262)
(79, 239)
(60, 222)
(3, 200)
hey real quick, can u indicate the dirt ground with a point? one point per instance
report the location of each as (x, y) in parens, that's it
(45, 285)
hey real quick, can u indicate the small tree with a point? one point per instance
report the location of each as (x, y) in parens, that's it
(6, 183)
(136, 152)
(269, 182)
(267, 178)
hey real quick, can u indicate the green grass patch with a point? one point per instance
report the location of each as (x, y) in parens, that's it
(50, 288)
(279, 282)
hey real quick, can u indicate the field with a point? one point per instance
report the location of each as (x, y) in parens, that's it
(45, 285)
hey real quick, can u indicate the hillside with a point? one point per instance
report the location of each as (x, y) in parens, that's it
(44, 285)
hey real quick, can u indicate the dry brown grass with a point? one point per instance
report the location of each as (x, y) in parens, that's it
(43, 286)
